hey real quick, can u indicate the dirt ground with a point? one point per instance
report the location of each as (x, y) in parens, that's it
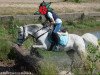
(13, 7)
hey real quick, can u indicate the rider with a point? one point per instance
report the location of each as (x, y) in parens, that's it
(54, 20)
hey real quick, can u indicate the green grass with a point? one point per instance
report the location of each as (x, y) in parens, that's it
(8, 36)
(92, 64)
(4, 49)
(82, 26)
(54, 61)
(48, 68)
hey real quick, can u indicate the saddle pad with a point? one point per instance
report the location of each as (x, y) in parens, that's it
(63, 40)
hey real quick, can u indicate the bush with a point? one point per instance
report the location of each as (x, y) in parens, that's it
(48, 68)
(5, 47)
(93, 58)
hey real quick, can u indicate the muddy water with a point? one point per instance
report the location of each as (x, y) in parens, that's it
(95, 31)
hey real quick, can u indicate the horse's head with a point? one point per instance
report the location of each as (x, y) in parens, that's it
(22, 35)
(26, 30)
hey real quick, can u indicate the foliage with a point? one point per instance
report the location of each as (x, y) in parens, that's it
(92, 62)
(48, 68)
(81, 25)
(93, 57)
(8, 34)
(4, 49)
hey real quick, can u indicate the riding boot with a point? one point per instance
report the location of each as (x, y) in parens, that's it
(51, 46)
(55, 40)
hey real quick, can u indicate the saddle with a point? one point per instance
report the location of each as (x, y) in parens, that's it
(61, 36)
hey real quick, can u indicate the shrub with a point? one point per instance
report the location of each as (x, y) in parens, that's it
(48, 68)
(93, 57)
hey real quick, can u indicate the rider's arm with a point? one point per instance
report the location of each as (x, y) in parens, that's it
(51, 17)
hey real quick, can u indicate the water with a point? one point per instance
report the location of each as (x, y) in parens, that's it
(97, 34)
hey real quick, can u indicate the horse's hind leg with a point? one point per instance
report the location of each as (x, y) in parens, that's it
(70, 53)
(82, 53)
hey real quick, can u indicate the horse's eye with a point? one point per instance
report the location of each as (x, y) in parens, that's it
(19, 31)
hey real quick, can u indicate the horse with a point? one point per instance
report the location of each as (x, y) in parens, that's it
(40, 33)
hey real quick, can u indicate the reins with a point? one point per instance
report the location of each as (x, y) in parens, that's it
(41, 34)
(39, 29)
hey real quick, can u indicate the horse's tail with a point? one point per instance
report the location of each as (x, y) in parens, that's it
(91, 38)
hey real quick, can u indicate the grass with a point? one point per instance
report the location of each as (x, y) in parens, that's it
(30, 8)
(15, 11)
(54, 61)
(8, 29)
(4, 49)
(48, 68)
(82, 26)
(92, 66)
(8, 36)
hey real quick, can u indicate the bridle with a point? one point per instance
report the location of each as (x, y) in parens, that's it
(33, 35)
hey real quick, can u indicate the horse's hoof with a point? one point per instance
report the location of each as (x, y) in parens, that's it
(49, 50)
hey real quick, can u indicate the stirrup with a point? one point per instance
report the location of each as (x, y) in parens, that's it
(51, 47)
(56, 48)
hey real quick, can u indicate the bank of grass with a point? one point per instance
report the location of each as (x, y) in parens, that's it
(8, 31)
(81, 27)
(8, 35)
(48, 68)
(16, 10)
(93, 63)
(4, 43)
(55, 62)
(29, 8)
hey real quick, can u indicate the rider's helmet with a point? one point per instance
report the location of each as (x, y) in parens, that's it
(44, 8)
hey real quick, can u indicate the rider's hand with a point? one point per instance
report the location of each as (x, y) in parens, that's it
(52, 23)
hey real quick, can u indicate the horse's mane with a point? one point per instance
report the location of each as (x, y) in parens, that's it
(36, 26)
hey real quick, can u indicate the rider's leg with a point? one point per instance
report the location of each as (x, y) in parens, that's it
(57, 27)
(55, 40)
(54, 35)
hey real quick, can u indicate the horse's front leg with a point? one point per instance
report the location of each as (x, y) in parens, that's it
(34, 51)
(39, 45)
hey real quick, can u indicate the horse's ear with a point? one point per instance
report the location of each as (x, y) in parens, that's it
(17, 27)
